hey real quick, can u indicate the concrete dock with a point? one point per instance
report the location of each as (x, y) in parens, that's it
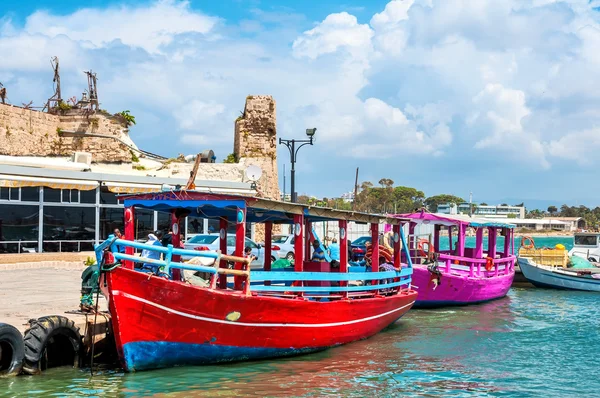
(35, 289)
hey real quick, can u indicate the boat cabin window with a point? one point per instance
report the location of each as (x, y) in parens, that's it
(586, 240)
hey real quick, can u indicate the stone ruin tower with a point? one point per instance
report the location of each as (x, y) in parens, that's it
(255, 142)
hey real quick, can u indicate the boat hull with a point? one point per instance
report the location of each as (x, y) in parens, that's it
(546, 277)
(457, 288)
(161, 323)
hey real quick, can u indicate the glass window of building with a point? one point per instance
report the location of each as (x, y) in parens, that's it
(213, 226)
(18, 228)
(12, 194)
(144, 223)
(30, 194)
(107, 197)
(70, 196)
(164, 222)
(195, 225)
(52, 195)
(87, 196)
(110, 219)
(69, 229)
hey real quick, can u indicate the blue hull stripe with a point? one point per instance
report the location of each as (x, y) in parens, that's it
(143, 355)
(153, 355)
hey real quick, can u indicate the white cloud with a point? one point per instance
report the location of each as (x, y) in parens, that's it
(337, 31)
(394, 12)
(581, 147)
(502, 111)
(376, 109)
(197, 112)
(147, 27)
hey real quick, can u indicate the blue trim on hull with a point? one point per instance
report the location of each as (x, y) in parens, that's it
(556, 287)
(161, 354)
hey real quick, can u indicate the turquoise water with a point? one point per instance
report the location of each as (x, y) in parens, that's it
(534, 342)
(549, 241)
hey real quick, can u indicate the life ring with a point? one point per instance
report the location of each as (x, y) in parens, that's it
(51, 341)
(489, 264)
(530, 245)
(421, 244)
(11, 350)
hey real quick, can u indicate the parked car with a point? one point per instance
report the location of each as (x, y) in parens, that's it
(283, 246)
(211, 242)
(358, 248)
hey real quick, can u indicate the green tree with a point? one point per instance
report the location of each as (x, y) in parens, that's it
(433, 202)
(552, 210)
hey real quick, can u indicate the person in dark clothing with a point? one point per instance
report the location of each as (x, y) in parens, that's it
(165, 240)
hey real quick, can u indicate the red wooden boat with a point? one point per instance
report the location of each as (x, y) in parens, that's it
(160, 319)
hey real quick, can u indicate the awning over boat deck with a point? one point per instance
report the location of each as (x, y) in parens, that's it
(207, 205)
(15, 181)
(453, 219)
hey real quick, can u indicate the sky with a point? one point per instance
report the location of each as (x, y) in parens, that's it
(497, 98)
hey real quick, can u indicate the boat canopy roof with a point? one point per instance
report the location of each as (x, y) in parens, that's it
(423, 217)
(210, 205)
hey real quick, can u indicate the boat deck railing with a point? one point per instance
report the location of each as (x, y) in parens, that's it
(276, 282)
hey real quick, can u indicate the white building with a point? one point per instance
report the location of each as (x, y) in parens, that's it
(574, 223)
(482, 210)
(348, 197)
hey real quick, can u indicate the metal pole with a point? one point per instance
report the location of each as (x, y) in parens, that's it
(293, 177)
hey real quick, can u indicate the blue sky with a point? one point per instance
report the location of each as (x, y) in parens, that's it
(448, 96)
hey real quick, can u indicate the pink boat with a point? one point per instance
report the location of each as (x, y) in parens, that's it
(462, 275)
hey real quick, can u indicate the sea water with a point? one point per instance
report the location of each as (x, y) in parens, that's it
(541, 241)
(534, 342)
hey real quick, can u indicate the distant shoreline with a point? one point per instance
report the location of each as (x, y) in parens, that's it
(545, 234)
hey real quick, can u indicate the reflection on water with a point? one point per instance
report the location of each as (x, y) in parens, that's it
(533, 342)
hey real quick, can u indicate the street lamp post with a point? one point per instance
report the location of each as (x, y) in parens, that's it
(291, 145)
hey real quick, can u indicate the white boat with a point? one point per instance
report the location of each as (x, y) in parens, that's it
(586, 245)
(586, 279)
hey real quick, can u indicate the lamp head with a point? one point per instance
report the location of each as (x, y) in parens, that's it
(311, 132)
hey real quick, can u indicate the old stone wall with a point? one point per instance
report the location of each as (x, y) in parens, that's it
(27, 132)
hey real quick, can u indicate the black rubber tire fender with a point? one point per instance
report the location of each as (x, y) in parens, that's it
(48, 331)
(11, 350)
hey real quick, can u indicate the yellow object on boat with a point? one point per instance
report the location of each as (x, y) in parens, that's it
(544, 256)
(560, 247)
